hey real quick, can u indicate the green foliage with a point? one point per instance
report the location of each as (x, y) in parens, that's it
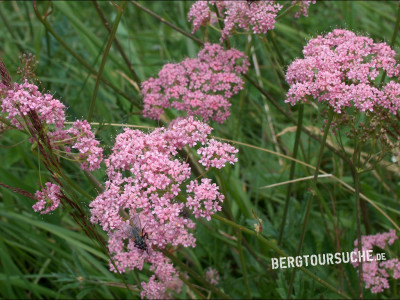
(51, 257)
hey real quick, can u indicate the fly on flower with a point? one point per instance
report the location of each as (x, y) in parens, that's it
(135, 232)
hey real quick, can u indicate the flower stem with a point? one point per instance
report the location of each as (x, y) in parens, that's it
(120, 49)
(309, 204)
(394, 36)
(239, 235)
(396, 27)
(196, 276)
(80, 59)
(285, 12)
(292, 169)
(358, 216)
(161, 19)
(103, 61)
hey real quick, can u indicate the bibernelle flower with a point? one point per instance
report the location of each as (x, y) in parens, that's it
(147, 179)
(25, 106)
(340, 69)
(258, 16)
(376, 273)
(48, 198)
(199, 86)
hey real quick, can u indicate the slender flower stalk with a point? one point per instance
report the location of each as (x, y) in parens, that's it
(103, 60)
(356, 176)
(292, 169)
(310, 200)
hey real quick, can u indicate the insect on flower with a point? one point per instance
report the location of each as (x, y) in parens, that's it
(135, 232)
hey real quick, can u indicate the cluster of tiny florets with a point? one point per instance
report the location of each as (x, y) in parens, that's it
(90, 153)
(48, 199)
(340, 69)
(303, 7)
(212, 276)
(376, 273)
(19, 100)
(23, 101)
(257, 16)
(28, 67)
(200, 15)
(199, 86)
(147, 180)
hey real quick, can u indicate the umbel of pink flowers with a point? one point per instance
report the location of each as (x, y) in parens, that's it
(376, 273)
(341, 70)
(199, 86)
(257, 16)
(147, 180)
(44, 118)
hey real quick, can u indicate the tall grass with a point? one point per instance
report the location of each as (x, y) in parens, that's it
(51, 257)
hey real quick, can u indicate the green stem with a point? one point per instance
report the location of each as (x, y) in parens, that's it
(285, 12)
(274, 247)
(309, 204)
(275, 45)
(396, 27)
(358, 217)
(191, 286)
(196, 276)
(292, 169)
(242, 262)
(94, 181)
(103, 61)
(394, 36)
(80, 59)
(161, 19)
(238, 234)
(120, 49)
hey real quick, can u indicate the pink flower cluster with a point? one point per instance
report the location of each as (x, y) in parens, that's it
(84, 141)
(22, 100)
(376, 273)
(147, 180)
(341, 69)
(212, 276)
(200, 86)
(303, 7)
(48, 198)
(258, 16)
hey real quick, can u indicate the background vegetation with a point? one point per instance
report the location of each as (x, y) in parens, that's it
(50, 257)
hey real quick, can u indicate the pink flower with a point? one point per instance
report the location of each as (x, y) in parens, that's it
(339, 69)
(148, 187)
(375, 273)
(24, 98)
(258, 16)
(48, 198)
(206, 198)
(217, 154)
(200, 14)
(199, 86)
(212, 276)
(303, 7)
(83, 139)
(25, 107)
